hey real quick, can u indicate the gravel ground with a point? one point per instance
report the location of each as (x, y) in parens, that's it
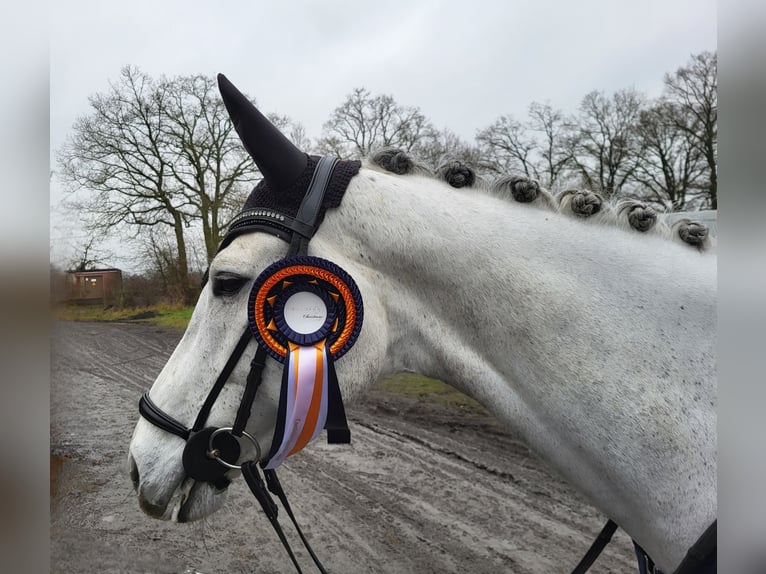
(423, 488)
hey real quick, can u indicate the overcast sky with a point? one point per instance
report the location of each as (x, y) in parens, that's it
(463, 63)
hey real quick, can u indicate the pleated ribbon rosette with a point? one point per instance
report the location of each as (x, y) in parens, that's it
(306, 312)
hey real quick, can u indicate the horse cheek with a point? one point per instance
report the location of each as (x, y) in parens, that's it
(366, 361)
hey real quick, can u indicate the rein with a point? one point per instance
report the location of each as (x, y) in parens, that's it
(699, 559)
(209, 449)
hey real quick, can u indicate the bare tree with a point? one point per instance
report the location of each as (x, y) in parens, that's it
(695, 88)
(365, 122)
(89, 256)
(552, 130)
(444, 145)
(295, 131)
(604, 147)
(118, 156)
(156, 153)
(207, 160)
(508, 147)
(536, 147)
(161, 257)
(672, 167)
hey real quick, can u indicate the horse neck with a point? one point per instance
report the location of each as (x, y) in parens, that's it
(554, 325)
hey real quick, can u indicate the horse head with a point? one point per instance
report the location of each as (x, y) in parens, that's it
(214, 352)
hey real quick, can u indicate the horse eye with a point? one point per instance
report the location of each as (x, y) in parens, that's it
(227, 283)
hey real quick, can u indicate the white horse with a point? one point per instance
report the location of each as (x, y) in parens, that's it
(595, 344)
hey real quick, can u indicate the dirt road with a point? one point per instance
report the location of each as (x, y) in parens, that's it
(422, 489)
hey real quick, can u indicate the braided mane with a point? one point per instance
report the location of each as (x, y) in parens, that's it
(628, 214)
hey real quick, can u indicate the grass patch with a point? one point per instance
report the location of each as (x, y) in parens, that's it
(164, 315)
(417, 386)
(174, 318)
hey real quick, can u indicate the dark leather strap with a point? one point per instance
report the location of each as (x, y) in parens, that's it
(254, 378)
(275, 487)
(299, 229)
(645, 563)
(158, 417)
(308, 212)
(270, 509)
(279, 425)
(270, 221)
(204, 412)
(701, 558)
(596, 548)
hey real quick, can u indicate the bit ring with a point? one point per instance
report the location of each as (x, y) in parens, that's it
(213, 452)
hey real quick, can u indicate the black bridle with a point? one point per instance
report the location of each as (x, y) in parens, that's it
(211, 452)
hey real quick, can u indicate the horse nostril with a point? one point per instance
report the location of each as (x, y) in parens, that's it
(133, 472)
(154, 510)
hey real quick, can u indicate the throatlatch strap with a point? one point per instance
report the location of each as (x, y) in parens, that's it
(645, 563)
(596, 548)
(700, 559)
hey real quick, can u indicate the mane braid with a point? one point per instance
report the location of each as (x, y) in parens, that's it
(523, 190)
(694, 233)
(632, 215)
(398, 161)
(581, 203)
(639, 215)
(457, 174)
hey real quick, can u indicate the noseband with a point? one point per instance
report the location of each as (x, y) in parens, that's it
(212, 452)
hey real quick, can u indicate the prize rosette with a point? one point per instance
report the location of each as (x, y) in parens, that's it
(306, 312)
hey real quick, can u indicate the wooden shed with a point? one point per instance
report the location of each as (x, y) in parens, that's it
(94, 287)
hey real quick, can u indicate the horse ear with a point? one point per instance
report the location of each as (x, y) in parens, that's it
(278, 159)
